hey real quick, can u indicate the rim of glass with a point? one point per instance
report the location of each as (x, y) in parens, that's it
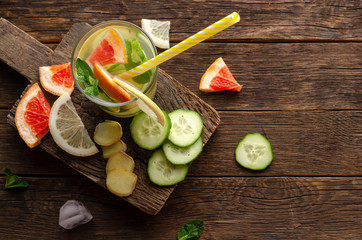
(83, 40)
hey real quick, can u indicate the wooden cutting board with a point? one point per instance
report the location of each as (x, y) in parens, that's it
(25, 54)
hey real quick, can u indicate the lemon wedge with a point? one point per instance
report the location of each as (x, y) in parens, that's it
(158, 31)
(67, 129)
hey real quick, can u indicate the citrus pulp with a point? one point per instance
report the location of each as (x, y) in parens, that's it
(68, 130)
(110, 50)
(57, 79)
(158, 31)
(32, 115)
(218, 78)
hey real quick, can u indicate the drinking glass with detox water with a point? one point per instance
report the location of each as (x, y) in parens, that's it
(115, 46)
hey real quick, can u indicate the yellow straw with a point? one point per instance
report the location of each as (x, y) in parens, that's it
(184, 45)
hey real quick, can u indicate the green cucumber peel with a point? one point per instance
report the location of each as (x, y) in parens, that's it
(254, 152)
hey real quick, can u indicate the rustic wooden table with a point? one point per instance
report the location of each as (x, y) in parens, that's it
(300, 64)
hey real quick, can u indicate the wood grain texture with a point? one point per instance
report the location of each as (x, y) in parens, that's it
(147, 196)
(305, 143)
(300, 66)
(12, 85)
(231, 208)
(14, 42)
(275, 76)
(260, 20)
(278, 76)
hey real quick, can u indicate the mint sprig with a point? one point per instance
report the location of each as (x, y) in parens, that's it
(86, 76)
(13, 181)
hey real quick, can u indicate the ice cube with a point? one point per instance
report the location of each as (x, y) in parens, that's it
(73, 214)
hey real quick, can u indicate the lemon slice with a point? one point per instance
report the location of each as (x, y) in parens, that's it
(158, 31)
(67, 129)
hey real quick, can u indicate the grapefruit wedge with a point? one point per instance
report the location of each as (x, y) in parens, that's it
(57, 79)
(32, 116)
(110, 50)
(105, 81)
(218, 78)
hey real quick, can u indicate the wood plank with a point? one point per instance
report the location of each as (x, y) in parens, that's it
(260, 20)
(231, 208)
(147, 196)
(278, 76)
(15, 155)
(304, 143)
(308, 143)
(13, 41)
(12, 85)
(275, 76)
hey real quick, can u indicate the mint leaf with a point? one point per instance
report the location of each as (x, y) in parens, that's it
(138, 49)
(91, 90)
(95, 83)
(191, 230)
(85, 67)
(133, 62)
(13, 181)
(82, 71)
(129, 50)
(18, 184)
(116, 68)
(85, 75)
(144, 77)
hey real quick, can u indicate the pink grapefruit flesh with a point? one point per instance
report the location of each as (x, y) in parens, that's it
(110, 50)
(32, 116)
(218, 78)
(57, 79)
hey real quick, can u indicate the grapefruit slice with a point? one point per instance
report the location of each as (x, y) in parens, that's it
(218, 78)
(110, 50)
(57, 79)
(32, 115)
(105, 81)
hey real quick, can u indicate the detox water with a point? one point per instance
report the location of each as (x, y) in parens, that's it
(127, 32)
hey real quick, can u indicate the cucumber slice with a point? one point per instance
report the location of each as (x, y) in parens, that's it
(254, 152)
(164, 173)
(181, 156)
(186, 127)
(148, 133)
